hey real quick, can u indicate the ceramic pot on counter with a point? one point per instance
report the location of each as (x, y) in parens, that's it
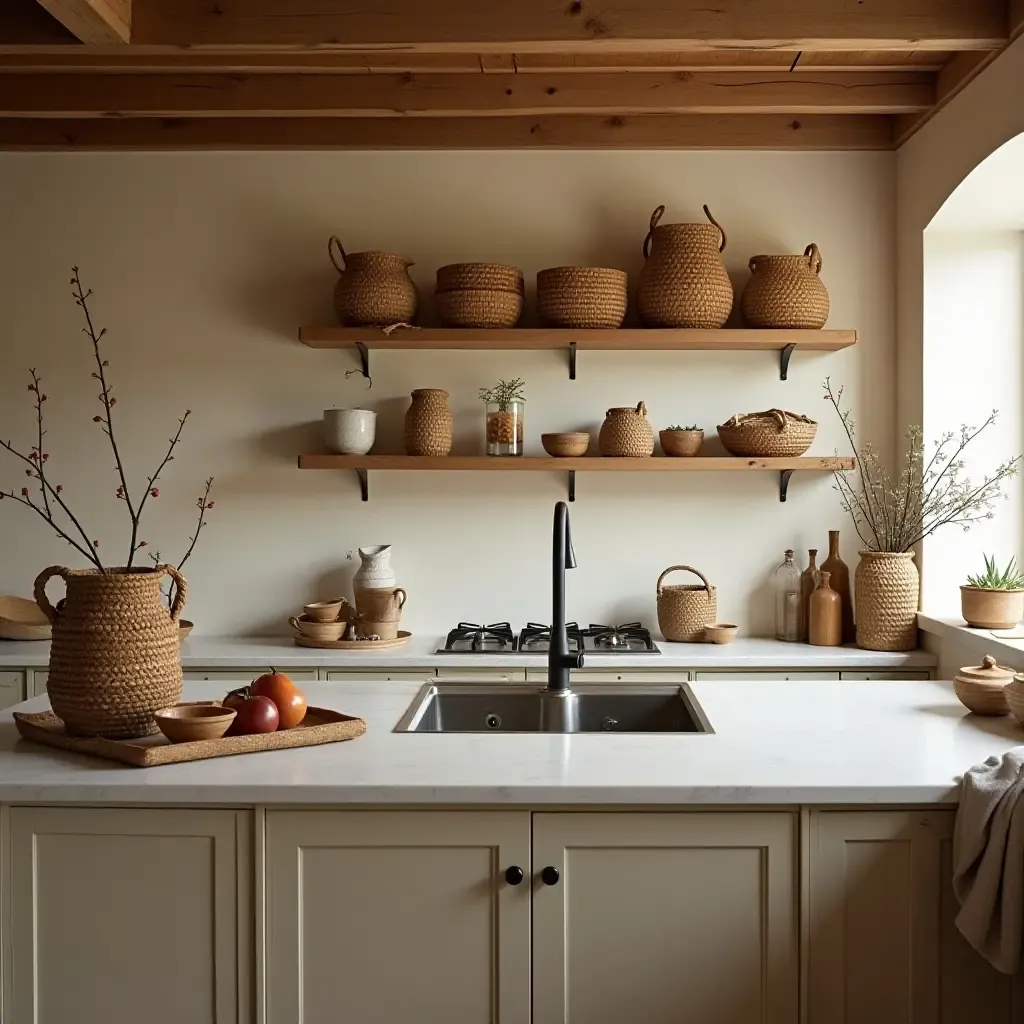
(983, 688)
(350, 431)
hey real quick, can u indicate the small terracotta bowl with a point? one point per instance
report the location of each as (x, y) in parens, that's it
(187, 722)
(720, 632)
(567, 445)
(184, 628)
(317, 630)
(324, 611)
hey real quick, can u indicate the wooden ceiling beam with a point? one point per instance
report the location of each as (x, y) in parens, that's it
(444, 95)
(94, 21)
(766, 131)
(537, 26)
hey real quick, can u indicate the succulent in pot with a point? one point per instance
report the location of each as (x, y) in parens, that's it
(994, 599)
(681, 442)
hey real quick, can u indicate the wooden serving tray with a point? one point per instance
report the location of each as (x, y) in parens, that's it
(354, 645)
(319, 726)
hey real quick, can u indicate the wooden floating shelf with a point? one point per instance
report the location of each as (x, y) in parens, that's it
(785, 342)
(362, 464)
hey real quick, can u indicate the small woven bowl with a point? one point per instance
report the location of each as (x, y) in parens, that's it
(187, 722)
(479, 307)
(484, 276)
(566, 445)
(584, 298)
(720, 632)
(681, 444)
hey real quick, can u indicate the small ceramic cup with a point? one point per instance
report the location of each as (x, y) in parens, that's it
(317, 630)
(385, 630)
(720, 632)
(350, 431)
(380, 604)
(325, 611)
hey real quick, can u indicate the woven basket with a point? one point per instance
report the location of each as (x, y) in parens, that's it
(684, 282)
(685, 609)
(479, 308)
(886, 589)
(626, 434)
(774, 433)
(583, 298)
(115, 655)
(428, 423)
(479, 276)
(373, 289)
(786, 292)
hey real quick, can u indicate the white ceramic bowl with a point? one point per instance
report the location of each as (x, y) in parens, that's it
(350, 431)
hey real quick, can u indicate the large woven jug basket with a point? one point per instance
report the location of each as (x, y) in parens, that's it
(887, 588)
(115, 656)
(685, 609)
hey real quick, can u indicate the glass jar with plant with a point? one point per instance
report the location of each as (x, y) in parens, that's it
(891, 516)
(994, 599)
(681, 442)
(504, 406)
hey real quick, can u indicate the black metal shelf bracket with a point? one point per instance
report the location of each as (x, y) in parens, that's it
(364, 358)
(784, 357)
(572, 484)
(572, 361)
(784, 478)
(364, 484)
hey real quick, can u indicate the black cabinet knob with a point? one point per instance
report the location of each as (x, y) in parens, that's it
(549, 876)
(514, 875)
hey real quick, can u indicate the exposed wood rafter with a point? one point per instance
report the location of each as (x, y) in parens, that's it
(94, 21)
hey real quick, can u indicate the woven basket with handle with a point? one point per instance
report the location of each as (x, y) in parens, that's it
(685, 609)
(774, 433)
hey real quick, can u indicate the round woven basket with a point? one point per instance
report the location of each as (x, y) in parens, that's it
(428, 423)
(626, 434)
(479, 276)
(886, 590)
(685, 609)
(115, 656)
(785, 292)
(582, 297)
(478, 307)
(774, 433)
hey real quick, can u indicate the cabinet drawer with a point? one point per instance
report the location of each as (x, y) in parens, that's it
(246, 675)
(766, 676)
(485, 675)
(422, 675)
(11, 689)
(886, 674)
(646, 676)
(37, 683)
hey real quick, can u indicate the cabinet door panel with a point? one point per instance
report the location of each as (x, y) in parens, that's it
(884, 948)
(666, 918)
(370, 675)
(119, 914)
(11, 689)
(245, 675)
(384, 917)
(768, 677)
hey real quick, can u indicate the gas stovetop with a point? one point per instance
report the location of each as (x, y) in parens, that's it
(535, 638)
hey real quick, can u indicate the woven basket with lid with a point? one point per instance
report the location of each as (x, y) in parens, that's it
(774, 433)
(786, 292)
(583, 298)
(115, 658)
(685, 609)
(886, 591)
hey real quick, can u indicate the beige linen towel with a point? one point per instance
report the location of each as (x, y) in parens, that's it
(988, 859)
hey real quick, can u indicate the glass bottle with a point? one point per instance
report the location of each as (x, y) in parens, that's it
(505, 427)
(808, 582)
(787, 600)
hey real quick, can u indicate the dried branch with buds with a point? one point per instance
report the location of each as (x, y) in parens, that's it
(929, 493)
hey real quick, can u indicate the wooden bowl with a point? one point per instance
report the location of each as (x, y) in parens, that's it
(566, 446)
(1014, 693)
(720, 632)
(317, 630)
(22, 619)
(324, 611)
(187, 722)
(981, 698)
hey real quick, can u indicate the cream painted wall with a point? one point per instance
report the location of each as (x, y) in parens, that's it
(205, 265)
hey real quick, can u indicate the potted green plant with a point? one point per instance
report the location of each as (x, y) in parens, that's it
(994, 599)
(681, 442)
(504, 405)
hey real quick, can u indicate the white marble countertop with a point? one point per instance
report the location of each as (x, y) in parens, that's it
(744, 653)
(780, 744)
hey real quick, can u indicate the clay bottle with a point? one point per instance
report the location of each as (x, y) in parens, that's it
(840, 576)
(826, 615)
(808, 581)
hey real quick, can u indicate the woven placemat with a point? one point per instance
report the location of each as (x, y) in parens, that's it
(320, 725)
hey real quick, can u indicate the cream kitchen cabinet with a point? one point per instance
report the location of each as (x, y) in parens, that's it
(119, 915)
(369, 675)
(12, 686)
(797, 675)
(650, 677)
(37, 682)
(241, 676)
(397, 916)
(663, 918)
(883, 946)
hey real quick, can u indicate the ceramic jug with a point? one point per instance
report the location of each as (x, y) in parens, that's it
(684, 282)
(373, 289)
(375, 570)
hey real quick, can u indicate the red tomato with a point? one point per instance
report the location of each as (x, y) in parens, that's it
(287, 697)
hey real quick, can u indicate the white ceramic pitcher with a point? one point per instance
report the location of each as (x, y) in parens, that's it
(375, 570)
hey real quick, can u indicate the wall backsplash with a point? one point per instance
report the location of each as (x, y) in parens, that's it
(205, 264)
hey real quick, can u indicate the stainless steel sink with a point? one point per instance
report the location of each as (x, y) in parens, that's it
(453, 707)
